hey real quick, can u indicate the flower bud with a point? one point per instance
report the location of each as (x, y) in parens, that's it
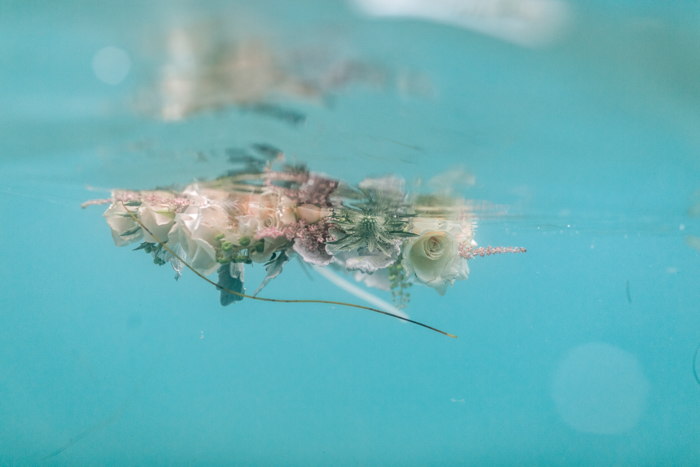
(309, 213)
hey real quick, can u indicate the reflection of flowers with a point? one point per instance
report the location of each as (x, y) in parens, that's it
(434, 260)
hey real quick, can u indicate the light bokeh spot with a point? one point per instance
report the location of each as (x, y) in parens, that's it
(111, 65)
(601, 389)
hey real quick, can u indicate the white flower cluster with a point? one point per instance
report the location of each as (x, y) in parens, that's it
(203, 224)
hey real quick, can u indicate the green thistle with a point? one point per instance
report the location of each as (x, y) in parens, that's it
(378, 223)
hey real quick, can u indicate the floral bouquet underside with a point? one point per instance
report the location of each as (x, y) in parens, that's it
(376, 231)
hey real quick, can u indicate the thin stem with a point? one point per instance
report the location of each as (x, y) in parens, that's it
(328, 302)
(695, 364)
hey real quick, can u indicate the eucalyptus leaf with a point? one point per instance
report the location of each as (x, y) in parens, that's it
(231, 283)
(274, 268)
(403, 234)
(131, 232)
(177, 265)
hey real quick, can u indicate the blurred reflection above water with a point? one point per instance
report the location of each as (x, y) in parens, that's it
(525, 22)
(205, 69)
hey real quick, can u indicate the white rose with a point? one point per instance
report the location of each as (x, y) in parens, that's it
(434, 259)
(247, 226)
(125, 230)
(195, 231)
(158, 220)
(213, 221)
(268, 219)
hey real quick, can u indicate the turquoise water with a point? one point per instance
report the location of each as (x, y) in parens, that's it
(579, 352)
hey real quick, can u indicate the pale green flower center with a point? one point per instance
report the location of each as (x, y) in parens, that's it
(434, 247)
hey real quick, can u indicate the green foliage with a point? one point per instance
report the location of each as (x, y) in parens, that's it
(399, 285)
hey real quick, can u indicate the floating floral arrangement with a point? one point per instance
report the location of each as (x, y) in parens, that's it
(376, 231)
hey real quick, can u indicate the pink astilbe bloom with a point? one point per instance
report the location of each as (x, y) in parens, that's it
(316, 190)
(270, 232)
(175, 201)
(468, 252)
(96, 202)
(310, 241)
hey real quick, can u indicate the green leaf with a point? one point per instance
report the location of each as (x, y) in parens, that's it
(131, 232)
(400, 233)
(230, 283)
(273, 268)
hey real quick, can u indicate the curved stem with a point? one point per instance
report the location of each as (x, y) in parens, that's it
(695, 364)
(328, 302)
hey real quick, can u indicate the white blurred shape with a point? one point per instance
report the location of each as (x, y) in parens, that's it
(111, 65)
(179, 75)
(530, 23)
(599, 388)
(359, 293)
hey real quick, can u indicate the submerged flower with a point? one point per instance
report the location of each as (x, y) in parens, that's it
(310, 241)
(158, 221)
(125, 230)
(368, 263)
(154, 209)
(368, 228)
(196, 231)
(434, 259)
(378, 219)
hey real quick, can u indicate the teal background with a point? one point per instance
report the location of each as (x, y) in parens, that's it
(591, 144)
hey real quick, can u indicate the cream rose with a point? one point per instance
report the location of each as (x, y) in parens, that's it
(158, 220)
(125, 230)
(195, 231)
(434, 259)
(268, 219)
